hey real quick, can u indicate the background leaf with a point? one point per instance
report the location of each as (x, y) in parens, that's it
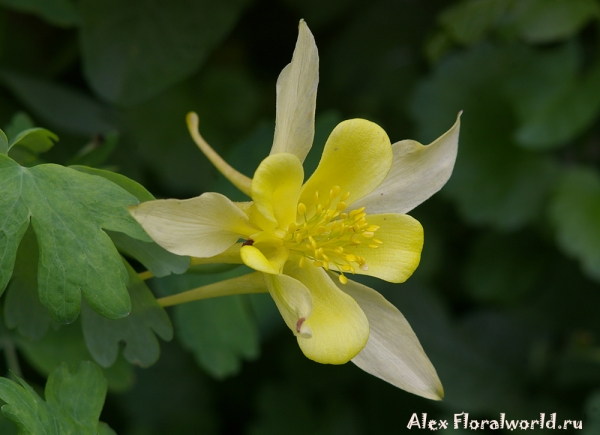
(220, 332)
(128, 61)
(137, 330)
(59, 12)
(63, 412)
(575, 212)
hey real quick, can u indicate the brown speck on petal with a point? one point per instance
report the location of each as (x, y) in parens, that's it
(299, 324)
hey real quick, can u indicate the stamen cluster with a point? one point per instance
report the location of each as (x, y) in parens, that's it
(327, 235)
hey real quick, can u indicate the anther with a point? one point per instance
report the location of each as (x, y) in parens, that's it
(301, 209)
(343, 279)
(301, 262)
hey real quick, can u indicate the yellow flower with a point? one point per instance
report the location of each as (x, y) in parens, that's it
(305, 238)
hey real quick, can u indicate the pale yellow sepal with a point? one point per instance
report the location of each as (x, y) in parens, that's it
(265, 257)
(246, 284)
(200, 227)
(339, 327)
(276, 187)
(238, 179)
(297, 98)
(357, 157)
(294, 302)
(393, 352)
(398, 256)
(417, 173)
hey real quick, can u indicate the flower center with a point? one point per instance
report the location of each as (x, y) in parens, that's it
(327, 235)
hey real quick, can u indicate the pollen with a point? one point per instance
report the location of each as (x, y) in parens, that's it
(326, 235)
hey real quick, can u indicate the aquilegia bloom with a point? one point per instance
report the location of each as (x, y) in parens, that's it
(305, 238)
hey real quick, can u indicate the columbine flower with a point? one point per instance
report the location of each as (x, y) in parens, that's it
(305, 238)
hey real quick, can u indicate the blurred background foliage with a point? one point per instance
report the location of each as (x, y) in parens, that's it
(506, 301)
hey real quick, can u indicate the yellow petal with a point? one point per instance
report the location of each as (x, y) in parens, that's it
(398, 256)
(417, 173)
(201, 227)
(293, 300)
(265, 257)
(356, 157)
(296, 98)
(276, 186)
(393, 352)
(339, 327)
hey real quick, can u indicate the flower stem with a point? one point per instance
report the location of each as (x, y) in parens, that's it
(145, 275)
(246, 284)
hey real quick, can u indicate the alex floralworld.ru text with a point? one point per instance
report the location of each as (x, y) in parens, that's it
(462, 421)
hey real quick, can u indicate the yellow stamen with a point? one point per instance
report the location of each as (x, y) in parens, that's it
(326, 236)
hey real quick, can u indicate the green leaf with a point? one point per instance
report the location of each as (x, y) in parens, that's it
(19, 122)
(36, 140)
(131, 186)
(22, 307)
(66, 344)
(592, 407)
(60, 106)
(67, 210)
(6, 427)
(554, 100)
(494, 181)
(575, 213)
(503, 268)
(104, 429)
(543, 21)
(468, 22)
(64, 412)
(126, 59)
(3, 143)
(221, 332)
(58, 12)
(137, 330)
(157, 260)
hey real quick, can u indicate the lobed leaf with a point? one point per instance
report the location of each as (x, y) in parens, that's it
(73, 402)
(67, 210)
(22, 307)
(103, 336)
